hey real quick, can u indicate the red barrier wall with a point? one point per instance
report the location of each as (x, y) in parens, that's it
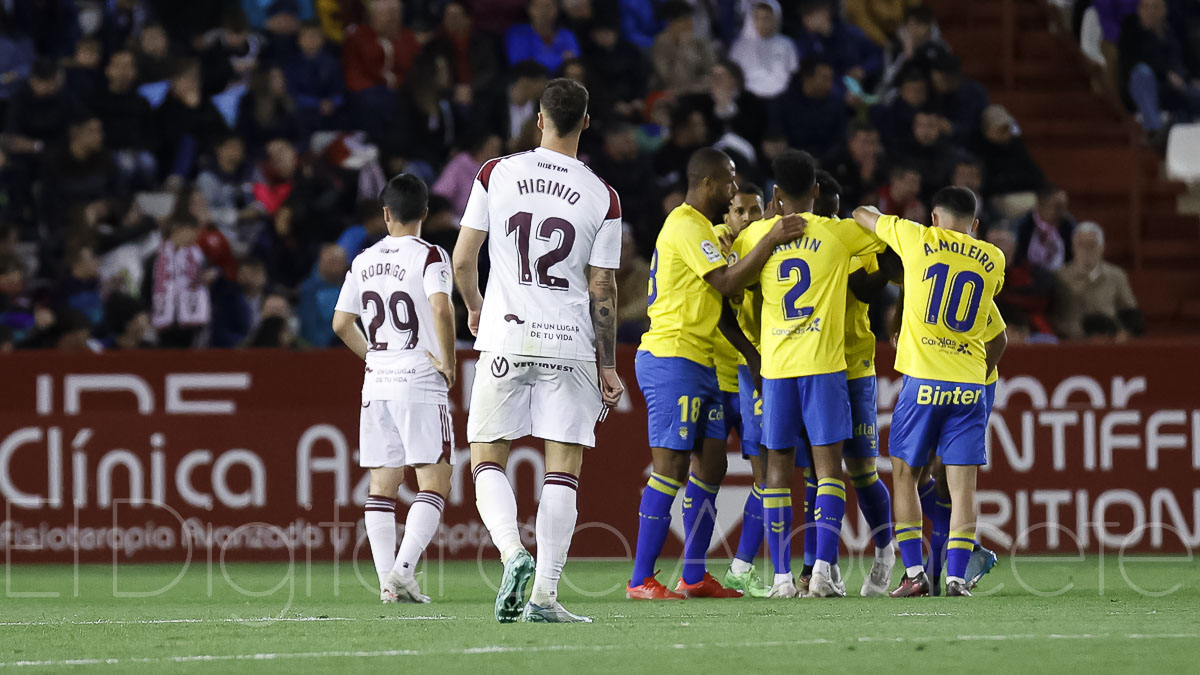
(248, 453)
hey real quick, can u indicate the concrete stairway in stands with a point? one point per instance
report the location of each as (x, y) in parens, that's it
(1083, 141)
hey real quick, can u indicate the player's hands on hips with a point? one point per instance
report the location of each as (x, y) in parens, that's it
(788, 228)
(473, 321)
(447, 370)
(611, 387)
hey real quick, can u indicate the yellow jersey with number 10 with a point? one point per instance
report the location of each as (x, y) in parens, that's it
(860, 341)
(804, 286)
(950, 282)
(684, 308)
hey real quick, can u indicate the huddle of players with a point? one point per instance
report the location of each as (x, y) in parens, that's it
(760, 326)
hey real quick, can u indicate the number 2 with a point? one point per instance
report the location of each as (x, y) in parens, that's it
(407, 325)
(952, 313)
(522, 224)
(790, 311)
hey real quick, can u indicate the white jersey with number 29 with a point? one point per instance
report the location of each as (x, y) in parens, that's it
(389, 286)
(549, 217)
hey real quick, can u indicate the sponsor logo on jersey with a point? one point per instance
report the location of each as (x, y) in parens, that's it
(513, 318)
(932, 394)
(542, 364)
(499, 366)
(710, 251)
(948, 344)
(716, 414)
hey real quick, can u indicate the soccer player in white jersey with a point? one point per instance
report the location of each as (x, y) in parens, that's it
(400, 288)
(546, 334)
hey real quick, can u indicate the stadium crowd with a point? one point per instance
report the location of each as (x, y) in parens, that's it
(186, 174)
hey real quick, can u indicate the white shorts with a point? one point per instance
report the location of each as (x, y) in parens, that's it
(399, 433)
(552, 399)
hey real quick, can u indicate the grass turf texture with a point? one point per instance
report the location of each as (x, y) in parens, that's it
(1100, 624)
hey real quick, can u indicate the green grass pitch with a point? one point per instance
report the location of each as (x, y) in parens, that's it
(1043, 614)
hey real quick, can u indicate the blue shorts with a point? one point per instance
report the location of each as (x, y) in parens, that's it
(989, 397)
(668, 381)
(926, 417)
(751, 413)
(815, 408)
(731, 405)
(863, 415)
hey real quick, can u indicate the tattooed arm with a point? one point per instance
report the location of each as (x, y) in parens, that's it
(602, 291)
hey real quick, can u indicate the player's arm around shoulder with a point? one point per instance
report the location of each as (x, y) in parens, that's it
(602, 297)
(732, 279)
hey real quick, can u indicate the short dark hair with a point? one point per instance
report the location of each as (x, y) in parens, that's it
(674, 9)
(795, 172)
(902, 167)
(920, 14)
(808, 67)
(705, 163)
(564, 102)
(945, 62)
(958, 200)
(406, 196)
(44, 68)
(810, 6)
(910, 72)
(747, 188)
(1046, 191)
(827, 201)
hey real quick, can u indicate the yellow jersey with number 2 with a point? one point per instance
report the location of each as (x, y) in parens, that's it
(950, 283)
(804, 286)
(684, 308)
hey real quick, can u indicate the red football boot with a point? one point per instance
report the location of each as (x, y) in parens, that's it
(651, 589)
(708, 587)
(912, 587)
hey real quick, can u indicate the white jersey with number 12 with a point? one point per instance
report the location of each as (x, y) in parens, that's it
(548, 217)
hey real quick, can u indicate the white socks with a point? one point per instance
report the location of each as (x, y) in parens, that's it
(497, 507)
(739, 566)
(380, 518)
(423, 518)
(913, 571)
(556, 518)
(786, 577)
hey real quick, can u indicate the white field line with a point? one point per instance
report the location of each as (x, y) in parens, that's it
(265, 619)
(507, 649)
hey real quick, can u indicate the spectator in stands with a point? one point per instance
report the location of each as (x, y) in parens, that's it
(441, 225)
(284, 246)
(816, 113)
(958, 101)
(181, 309)
(915, 44)
(458, 177)
(17, 310)
(1092, 297)
(473, 54)
(319, 294)
(370, 229)
(376, 58)
(1152, 68)
(894, 119)
(84, 73)
(153, 54)
(126, 117)
(314, 79)
(122, 21)
(929, 152)
(39, 113)
(1044, 234)
(633, 278)
(689, 131)
(267, 111)
(507, 113)
(1028, 287)
(843, 44)
(187, 123)
(237, 304)
(1112, 15)
(880, 20)
(16, 60)
(80, 174)
(70, 332)
(767, 57)
(682, 60)
(642, 21)
(858, 165)
(126, 323)
(628, 171)
(541, 40)
(967, 171)
(424, 104)
(279, 18)
(733, 109)
(226, 186)
(622, 68)
(901, 195)
(274, 333)
(228, 54)
(1009, 171)
(79, 288)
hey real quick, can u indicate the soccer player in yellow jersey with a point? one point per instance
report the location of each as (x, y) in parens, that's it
(805, 396)
(862, 448)
(951, 281)
(674, 365)
(743, 405)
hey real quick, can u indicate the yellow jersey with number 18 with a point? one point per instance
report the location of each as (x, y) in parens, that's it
(804, 286)
(860, 341)
(726, 357)
(684, 308)
(950, 282)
